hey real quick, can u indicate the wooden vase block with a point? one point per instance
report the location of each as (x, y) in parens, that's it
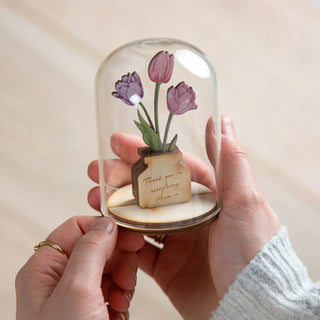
(160, 178)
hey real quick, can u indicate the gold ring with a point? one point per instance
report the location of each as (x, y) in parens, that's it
(51, 244)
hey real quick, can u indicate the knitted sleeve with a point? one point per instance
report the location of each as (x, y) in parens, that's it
(275, 285)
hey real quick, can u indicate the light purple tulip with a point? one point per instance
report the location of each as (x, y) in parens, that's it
(129, 89)
(161, 67)
(181, 99)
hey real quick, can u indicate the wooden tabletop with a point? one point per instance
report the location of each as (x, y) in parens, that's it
(267, 57)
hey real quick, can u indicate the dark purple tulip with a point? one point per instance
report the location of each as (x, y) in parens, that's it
(161, 67)
(129, 89)
(180, 99)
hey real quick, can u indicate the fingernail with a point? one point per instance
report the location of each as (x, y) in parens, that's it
(114, 144)
(227, 127)
(212, 125)
(104, 224)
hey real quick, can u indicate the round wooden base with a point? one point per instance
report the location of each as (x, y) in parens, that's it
(200, 210)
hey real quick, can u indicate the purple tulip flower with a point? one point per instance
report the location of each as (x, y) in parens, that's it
(180, 99)
(129, 89)
(161, 67)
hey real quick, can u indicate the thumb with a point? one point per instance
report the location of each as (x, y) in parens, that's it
(233, 170)
(91, 253)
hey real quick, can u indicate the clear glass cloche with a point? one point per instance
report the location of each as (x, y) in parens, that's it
(156, 98)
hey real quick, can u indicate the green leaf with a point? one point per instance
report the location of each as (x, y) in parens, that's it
(173, 143)
(149, 136)
(143, 122)
(140, 127)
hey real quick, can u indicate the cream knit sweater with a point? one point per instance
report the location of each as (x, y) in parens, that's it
(275, 285)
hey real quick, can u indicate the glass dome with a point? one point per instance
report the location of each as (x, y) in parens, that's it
(154, 98)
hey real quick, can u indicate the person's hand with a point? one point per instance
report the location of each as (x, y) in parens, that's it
(196, 268)
(101, 268)
(246, 222)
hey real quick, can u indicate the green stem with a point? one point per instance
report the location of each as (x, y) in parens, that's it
(167, 131)
(156, 102)
(156, 115)
(147, 114)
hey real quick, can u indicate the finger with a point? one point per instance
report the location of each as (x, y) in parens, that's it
(212, 149)
(235, 166)
(117, 298)
(148, 256)
(93, 171)
(129, 241)
(124, 270)
(116, 172)
(45, 268)
(68, 234)
(211, 141)
(125, 146)
(200, 172)
(120, 174)
(90, 255)
(236, 179)
(94, 198)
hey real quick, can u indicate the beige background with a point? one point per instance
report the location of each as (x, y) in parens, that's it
(267, 54)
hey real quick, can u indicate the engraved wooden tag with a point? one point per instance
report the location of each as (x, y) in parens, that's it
(160, 178)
